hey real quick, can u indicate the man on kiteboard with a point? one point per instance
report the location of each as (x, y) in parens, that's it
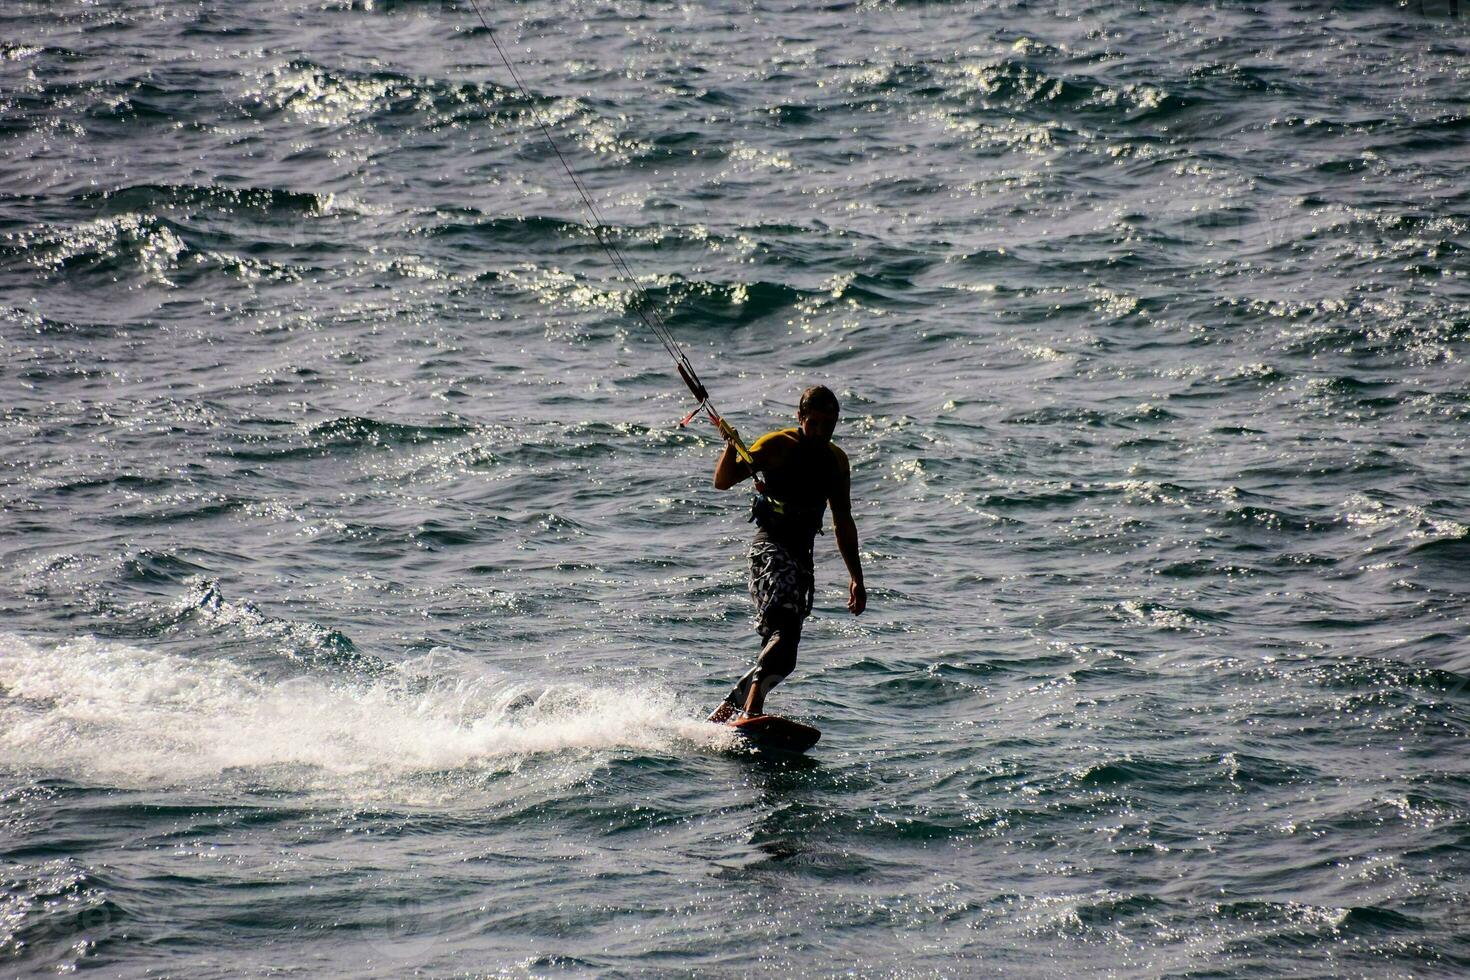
(802, 473)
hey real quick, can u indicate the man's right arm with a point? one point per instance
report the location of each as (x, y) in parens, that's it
(730, 469)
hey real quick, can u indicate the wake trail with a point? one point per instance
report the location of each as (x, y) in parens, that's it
(102, 710)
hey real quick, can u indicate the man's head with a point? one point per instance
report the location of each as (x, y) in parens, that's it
(817, 412)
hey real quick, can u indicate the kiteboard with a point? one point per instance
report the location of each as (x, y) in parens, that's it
(775, 732)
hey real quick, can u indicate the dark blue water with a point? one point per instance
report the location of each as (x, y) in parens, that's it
(361, 596)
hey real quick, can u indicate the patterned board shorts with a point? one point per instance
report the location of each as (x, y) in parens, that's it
(781, 583)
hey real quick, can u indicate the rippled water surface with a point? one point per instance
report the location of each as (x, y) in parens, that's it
(361, 595)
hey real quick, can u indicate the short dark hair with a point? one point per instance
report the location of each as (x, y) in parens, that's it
(818, 398)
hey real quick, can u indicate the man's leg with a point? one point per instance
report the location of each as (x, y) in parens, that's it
(777, 659)
(781, 588)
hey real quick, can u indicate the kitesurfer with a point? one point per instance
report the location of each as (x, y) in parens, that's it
(803, 473)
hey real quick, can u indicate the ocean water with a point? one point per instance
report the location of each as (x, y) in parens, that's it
(360, 595)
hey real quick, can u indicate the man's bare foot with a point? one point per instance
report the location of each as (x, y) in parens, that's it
(722, 713)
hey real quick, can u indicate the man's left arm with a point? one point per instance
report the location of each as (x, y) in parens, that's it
(844, 529)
